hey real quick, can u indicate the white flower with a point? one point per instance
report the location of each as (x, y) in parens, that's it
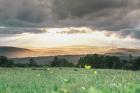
(38, 75)
(48, 69)
(83, 88)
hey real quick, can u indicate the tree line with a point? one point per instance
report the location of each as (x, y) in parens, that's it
(95, 61)
(5, 62)
(110, 62)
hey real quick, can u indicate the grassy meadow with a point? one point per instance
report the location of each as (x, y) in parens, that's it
(68, 80)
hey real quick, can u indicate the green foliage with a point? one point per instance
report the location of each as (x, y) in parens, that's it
(95, 61)
(136, 64)
(4, 62)
(66, 80)
(109, 62)
(32, 62)
(93, 90)
(57, 62)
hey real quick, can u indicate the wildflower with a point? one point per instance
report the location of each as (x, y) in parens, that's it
(87, 67)
(64, 90)
(95, 72)
(83, 88)
(38, 75)
(66, 81)
(48, 69)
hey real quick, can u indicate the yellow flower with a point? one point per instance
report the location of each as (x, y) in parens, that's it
(87, 67)
(95, 72)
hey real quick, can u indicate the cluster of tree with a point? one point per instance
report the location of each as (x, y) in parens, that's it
(95, 61)
(5, 62)
(109, 62)
(57, 62)
(31, 63)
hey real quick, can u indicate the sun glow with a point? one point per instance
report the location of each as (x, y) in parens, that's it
(52, 38)
(59, 37)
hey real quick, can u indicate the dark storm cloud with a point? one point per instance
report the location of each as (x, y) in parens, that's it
(133, 33)
(101, 14)
(79, 8)
(16, 30)
(111, 15)
(21, 12)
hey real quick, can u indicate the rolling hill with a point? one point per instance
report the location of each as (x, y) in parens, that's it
(71, 53)
(14, 52)
(123, 51)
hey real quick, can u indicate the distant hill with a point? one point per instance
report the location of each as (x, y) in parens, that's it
(123, 52)
(72, 54)
(14, 51)
(5, 49)
(72, 50)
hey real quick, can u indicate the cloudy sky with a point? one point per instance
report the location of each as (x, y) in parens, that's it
(56, 23)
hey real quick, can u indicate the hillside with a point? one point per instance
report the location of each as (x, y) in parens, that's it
(123, 51)
(5, 49)
(15, 52)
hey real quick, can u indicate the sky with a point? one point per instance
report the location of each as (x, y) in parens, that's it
(57, 23)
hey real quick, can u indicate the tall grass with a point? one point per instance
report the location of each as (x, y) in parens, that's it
(68, 80)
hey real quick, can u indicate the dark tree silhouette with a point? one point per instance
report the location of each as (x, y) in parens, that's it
(103, 61)
(32, 62)
(57, 62)
(4, 62)
(136, 65)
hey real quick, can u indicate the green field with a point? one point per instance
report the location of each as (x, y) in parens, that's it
(68, 80)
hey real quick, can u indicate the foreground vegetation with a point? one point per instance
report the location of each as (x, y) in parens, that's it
(68, 80)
